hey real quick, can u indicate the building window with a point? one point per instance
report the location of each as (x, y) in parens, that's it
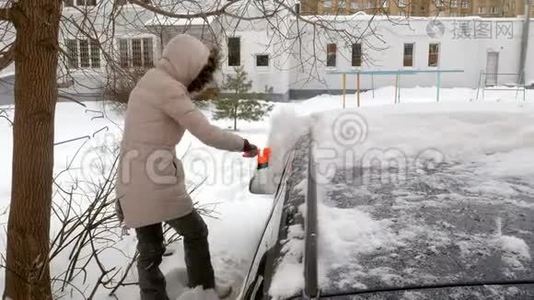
(357, 55)
(83, 53)
(465, 3)
(234, 51)
(72, 54)
(124, 2)
(262, 60)
(327, 4)
(95, 53)
(136, 53)
(408, 55)
(331, 52)
(433, 55)
(72, 3)
(148, 52)
(123, 52)
(454, 3)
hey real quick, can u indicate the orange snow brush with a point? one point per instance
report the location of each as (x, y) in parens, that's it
(263, 158)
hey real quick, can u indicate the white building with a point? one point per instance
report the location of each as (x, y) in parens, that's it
(288, 57)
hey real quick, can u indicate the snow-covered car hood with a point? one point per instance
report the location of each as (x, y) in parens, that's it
(431, 194)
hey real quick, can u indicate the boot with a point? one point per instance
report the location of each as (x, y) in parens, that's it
(223, 290)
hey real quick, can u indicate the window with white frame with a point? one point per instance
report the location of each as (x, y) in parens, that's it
(136, 52)
(124, 2)
(331, 55)
(433, 55)
(454, 3)
(327, 3)
(83, 53)
(72, 3)
(262, 60)
(234, 51)
(408, 55)
(465, 4)
(356, 55)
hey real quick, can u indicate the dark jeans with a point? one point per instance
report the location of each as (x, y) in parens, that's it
(197, 256)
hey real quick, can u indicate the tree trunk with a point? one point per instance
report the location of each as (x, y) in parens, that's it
(36, 61)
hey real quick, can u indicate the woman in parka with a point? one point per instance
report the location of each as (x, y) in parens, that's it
(151, 187)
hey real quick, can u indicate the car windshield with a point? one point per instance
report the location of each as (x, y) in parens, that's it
(450, 201)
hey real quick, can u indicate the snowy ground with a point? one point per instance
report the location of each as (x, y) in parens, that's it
(240, 216)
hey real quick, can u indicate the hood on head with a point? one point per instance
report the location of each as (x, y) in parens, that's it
(183, 58)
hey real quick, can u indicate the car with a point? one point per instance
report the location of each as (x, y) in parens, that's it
(444, 230)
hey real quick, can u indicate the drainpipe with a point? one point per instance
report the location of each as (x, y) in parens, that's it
(524, 43)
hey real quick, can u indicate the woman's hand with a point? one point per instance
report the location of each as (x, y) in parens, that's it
(249, 150)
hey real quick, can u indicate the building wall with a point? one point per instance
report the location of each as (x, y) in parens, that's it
(293, 67)
(484, 8)
(456, 52)
(257, 38)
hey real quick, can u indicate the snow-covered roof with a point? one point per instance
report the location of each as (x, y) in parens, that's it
(160, 20)
(362, 16)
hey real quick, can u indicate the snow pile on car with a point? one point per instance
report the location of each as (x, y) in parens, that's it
(413, 194)
(405, 189)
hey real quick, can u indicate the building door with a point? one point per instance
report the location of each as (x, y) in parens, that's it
(492, 68)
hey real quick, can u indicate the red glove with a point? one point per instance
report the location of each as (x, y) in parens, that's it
(249, 150)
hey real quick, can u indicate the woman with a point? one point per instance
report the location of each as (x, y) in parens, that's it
(151, 187)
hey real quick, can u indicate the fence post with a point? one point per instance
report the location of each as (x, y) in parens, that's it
(358, 86)
(438, 85)
(373, 84)
(344, 84)
(399, 88)
(396, 86)
(479, 84)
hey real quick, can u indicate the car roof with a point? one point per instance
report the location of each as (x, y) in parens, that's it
(444, 223)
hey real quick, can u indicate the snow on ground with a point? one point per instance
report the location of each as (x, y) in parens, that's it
(238, 216)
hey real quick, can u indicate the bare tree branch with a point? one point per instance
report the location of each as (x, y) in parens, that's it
(160, 11)
(5, 14)
(7, 57)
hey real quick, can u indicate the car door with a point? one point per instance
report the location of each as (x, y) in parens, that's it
(253, 283)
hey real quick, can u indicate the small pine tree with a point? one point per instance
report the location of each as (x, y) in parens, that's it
(235, 106)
